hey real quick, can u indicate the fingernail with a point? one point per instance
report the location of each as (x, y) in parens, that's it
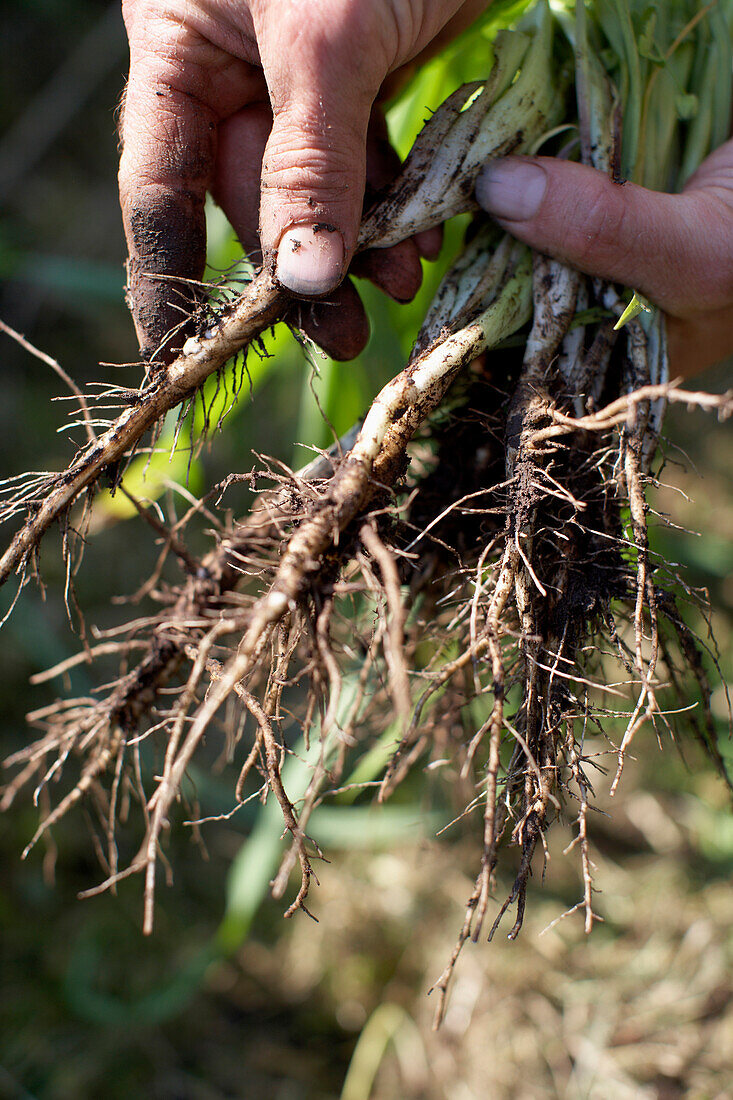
(512, 189)
(310, 259)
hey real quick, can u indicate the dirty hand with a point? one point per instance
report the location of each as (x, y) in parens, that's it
(269, 105)
(676, 249)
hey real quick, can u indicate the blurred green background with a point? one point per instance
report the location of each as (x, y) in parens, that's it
(227, 1000)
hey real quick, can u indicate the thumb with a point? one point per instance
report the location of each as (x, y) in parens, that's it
(313, 168)
(669, 247)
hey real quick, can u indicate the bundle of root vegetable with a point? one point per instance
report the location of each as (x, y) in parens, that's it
(465, 580)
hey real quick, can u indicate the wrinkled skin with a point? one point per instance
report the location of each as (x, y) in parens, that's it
(270, 106)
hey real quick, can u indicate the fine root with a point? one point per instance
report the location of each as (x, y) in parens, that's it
(465, 581)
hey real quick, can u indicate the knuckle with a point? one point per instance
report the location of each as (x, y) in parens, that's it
(326, 174)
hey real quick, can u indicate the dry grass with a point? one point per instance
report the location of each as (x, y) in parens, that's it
(641, 1009)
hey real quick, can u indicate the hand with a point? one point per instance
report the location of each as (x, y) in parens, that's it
(269, 105)
(677, 250)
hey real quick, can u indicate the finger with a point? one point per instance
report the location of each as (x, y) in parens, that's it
(169, 124)
(242, 140)
(396, 271)
(314, 166)
(429, 242)
(337, 324)
(165, 167)
(676, 249)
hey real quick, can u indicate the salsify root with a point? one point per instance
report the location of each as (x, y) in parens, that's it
(466, 580)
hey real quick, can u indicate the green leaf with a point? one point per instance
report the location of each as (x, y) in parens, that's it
(633, 309)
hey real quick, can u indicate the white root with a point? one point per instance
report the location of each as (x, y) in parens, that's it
(477, 122)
